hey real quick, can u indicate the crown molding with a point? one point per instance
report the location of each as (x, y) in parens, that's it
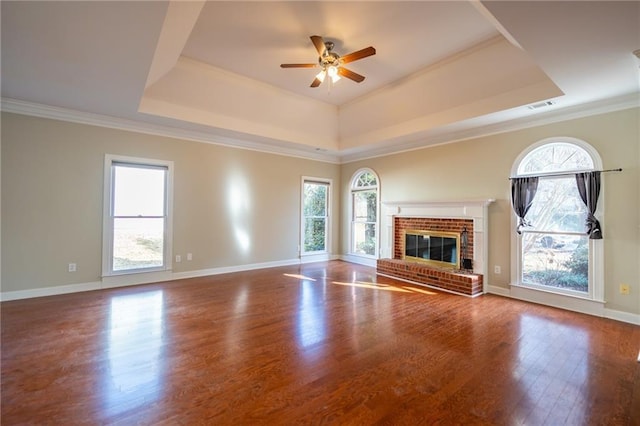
(92, 119)
(439, 137)
(556, 115)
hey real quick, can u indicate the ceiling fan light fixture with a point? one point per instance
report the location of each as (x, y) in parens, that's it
(331, 62)
(333, 73)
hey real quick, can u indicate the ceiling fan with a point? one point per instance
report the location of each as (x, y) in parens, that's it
(331, 62)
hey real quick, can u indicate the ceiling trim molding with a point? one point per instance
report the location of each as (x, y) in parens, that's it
(631, 100)
(619, 103)
(79, 117)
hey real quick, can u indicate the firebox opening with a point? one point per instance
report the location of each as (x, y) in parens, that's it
(440, 249)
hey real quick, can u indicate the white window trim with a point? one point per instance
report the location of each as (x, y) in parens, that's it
(559, 297)
(107, 231)
(321, 255)
(352, 183)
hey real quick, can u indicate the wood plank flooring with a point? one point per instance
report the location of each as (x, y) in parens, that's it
(323, 343)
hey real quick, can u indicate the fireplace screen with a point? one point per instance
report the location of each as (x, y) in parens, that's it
(438, 248)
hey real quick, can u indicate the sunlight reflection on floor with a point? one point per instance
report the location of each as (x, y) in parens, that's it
(300, 277)
(386, 287)
(134, 376)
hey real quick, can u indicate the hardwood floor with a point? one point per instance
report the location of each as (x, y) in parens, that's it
(325, 343)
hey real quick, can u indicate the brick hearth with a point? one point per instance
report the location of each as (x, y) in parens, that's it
(458, 282)
(444, 216)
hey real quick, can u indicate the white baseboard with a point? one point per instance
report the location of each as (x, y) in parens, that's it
(49, 291)
(137, 279)
(622, 316)
(500, 291)
(236, 268)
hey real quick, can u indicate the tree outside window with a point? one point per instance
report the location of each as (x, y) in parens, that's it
(315, 216)
(554, 249)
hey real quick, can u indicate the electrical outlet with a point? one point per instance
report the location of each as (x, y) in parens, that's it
(497, 269)
(624, 288)
(72, 267)
(189, 256)
(178, 258)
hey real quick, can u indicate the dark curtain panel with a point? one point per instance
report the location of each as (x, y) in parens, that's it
(589, 189)
(523, 190)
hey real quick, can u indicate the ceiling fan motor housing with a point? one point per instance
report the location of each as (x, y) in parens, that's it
(331, 63)
(329, 57)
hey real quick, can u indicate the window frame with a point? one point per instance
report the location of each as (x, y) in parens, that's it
(596, 247)
(108, 214)
(318, 254)
(353, 189)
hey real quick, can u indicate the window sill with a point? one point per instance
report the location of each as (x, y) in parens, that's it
(360, 259)
(315, 257)
(570, 302)
(134, 278)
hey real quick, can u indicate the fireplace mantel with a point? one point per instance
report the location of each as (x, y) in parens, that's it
(439, 204)
(477, 210)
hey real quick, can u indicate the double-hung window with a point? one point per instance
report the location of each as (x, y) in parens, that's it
(315, 215)
(137, 225)
(554, 252)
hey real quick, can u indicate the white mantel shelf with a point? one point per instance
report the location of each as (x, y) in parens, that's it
(476, 209)
(475, 202)
(467, 207)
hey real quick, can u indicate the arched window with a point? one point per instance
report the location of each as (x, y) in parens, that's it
(553, 250)
(364, 213)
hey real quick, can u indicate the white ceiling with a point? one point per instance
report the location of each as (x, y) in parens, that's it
(443, 71)
(253, 39)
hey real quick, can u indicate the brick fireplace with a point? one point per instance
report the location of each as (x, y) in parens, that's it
(444, 216)
(455, 225)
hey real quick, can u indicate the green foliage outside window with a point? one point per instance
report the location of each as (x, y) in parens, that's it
(315, 201)
(365, 211)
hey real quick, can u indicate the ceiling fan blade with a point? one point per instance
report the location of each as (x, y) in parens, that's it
(298, 65)
(350, 75)
(315, 83)
(367, 51)
(318, 42)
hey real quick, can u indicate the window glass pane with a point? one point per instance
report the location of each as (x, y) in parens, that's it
(137, 243)
(557, 260)
(364, 214)
(366, 179)
(315, 199)
(557, 206)
(364, 206)
(555, 157)
(138, 191)
(314, 234)
(364, 238)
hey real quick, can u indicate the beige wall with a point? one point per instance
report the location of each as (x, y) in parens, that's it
(479, 169)
(52, 189)
(52, 184)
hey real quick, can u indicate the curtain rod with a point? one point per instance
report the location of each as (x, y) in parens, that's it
(566, 174)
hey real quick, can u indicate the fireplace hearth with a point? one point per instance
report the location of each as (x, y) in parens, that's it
(463, 270)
